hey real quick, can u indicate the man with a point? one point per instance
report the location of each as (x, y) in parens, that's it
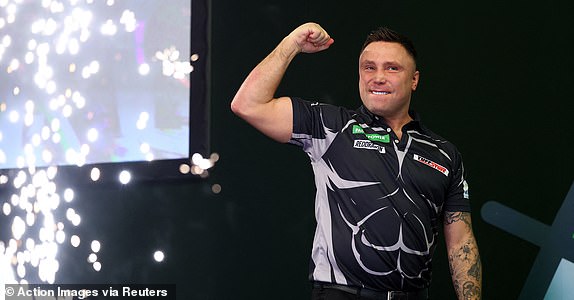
(384, 181)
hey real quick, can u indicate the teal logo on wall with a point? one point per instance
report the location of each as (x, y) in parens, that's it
(552, 273)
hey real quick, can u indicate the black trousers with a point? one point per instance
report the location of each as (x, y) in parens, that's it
(319, 293)
(324, 292)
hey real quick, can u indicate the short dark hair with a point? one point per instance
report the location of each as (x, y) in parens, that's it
(384, 34)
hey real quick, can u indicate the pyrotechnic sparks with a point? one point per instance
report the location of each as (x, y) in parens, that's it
(62, 64)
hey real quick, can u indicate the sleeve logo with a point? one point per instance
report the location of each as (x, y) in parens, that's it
(430, 163)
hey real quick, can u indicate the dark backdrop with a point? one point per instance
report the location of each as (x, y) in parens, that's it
(495, 80)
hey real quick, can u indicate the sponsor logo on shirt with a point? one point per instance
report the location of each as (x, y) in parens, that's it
(431, 164)
(366, 144)
(375, 137)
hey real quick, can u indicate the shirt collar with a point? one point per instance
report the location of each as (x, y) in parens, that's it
(369, 118)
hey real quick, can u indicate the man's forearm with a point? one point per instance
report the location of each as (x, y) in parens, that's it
(463, 255)
(466, 270)
(260, 85)
(255, 100)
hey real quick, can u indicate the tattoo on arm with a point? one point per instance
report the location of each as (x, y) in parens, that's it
(466, 271)
(470, 290)
(464, 261)
(452, 217)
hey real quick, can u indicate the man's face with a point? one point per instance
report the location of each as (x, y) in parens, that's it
(387, 77)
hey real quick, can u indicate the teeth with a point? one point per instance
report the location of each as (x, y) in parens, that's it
(381, 93)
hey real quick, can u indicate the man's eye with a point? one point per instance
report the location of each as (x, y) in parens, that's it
(392, 68)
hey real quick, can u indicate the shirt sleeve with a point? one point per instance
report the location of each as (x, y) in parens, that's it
(315, 125)
(458, 198)
(304, 116)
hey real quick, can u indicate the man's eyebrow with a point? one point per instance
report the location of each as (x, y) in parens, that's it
(393, 62)
(367, 61)
(385, 63)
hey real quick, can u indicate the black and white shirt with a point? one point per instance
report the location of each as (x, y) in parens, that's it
(379, 200)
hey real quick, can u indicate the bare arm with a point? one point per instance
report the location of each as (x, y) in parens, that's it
(463, 256)
(255, 100)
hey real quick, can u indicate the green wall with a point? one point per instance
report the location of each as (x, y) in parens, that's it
(495, 79)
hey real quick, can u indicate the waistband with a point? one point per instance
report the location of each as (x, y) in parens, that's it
(365, 293)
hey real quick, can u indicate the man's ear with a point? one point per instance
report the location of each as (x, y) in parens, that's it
(415, 80)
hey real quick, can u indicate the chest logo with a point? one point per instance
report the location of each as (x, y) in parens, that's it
(431, 164)
(366, 144)
(375, 137)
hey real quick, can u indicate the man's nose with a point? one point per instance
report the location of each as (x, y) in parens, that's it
(380, 77)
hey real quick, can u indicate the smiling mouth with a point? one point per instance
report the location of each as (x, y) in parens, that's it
(380, 93)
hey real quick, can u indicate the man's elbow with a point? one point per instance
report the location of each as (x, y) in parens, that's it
(246, 108)
(238, 107)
